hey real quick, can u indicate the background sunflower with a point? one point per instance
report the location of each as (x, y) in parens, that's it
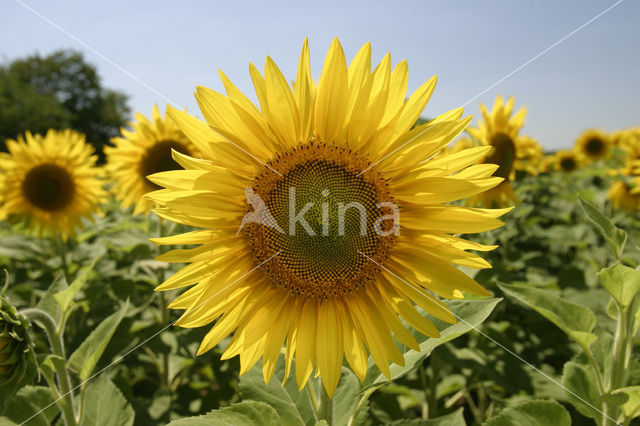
(593, 145)
(51, 181)
(144, 150)
(500, 130)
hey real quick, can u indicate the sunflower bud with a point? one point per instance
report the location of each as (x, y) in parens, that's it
(16, 350)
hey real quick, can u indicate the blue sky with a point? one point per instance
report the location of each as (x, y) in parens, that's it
(590, 80)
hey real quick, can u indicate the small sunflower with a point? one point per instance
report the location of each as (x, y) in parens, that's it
(566, 161)
(142, 151)
(499, 130)
(529, 155)
(624, 193)
(592, 145)
(51, 181)
(324, 290)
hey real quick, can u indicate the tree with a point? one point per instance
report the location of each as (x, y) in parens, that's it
(58, 91)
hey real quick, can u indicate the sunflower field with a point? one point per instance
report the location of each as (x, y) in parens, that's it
(324, 256)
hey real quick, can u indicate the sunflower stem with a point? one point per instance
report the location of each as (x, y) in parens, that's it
(313, 398)
(57, 348)
(61, 248)
(164, 374)
(325, 410)
(620, 364)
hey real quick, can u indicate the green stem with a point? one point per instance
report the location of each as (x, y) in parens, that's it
(596, 370)
(313, 398)
(325, 409)
(164, 375)
(424, 406)
(361, 403)
(619, 365)
(61, 247)
(432, 400)
(57, 348)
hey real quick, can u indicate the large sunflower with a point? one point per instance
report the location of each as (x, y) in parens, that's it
(144, 150)
(499, 130)
(326, 290)
(593, 145)
(51, 181)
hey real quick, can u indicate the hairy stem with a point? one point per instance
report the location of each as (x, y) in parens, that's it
(325, 409)
(57, 348)
(361, 403)
(619, 365)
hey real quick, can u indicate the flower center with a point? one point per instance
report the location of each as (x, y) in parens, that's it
(48, 187)
(594, 147)
(328, 219)
(503, 154)
(567, 164)
(158, 159)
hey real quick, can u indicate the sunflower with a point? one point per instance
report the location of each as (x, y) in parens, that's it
(327, 288)
(592, 145)
(51, 181)
(499, 130)
(529, 155)
(566, 160)
(142, 151)
(622, 197)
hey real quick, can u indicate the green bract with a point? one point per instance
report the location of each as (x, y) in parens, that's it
(16, 352)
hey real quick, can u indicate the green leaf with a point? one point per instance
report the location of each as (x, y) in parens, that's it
(345, 398)
(104, 405)
(575, 320)
(621, 282)
(293, 406)
(470, 314)
(532, 413)
(246, 413)
(30, 400)
(615, 237)
(453, 419)
(85, 358)
(48, 302)
(630, 408)
(64, 298)
(584, 395)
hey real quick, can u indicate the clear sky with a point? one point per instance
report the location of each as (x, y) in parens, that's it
(592, 79)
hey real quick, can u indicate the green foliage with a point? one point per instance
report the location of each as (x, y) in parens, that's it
(58, 91)
(570, 309)
(104, 405)
(575, 320)
(533, 413)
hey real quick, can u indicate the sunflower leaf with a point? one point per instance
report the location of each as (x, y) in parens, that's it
(64, 298)
(577, 321)
(616, 237)
(103, 404)
(452, 419)
(29, 401)
(582, 391)
(86, 357)
(470, 314)
(246, 413)
(534, 413)
(293, 406)
(621, 282)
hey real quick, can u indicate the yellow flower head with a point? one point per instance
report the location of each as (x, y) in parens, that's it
(529, 155)
(298, 201)
(499, 129)
(592, 145)
(51, 181)
(566, 161)
(623, 197)
(142, 151)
